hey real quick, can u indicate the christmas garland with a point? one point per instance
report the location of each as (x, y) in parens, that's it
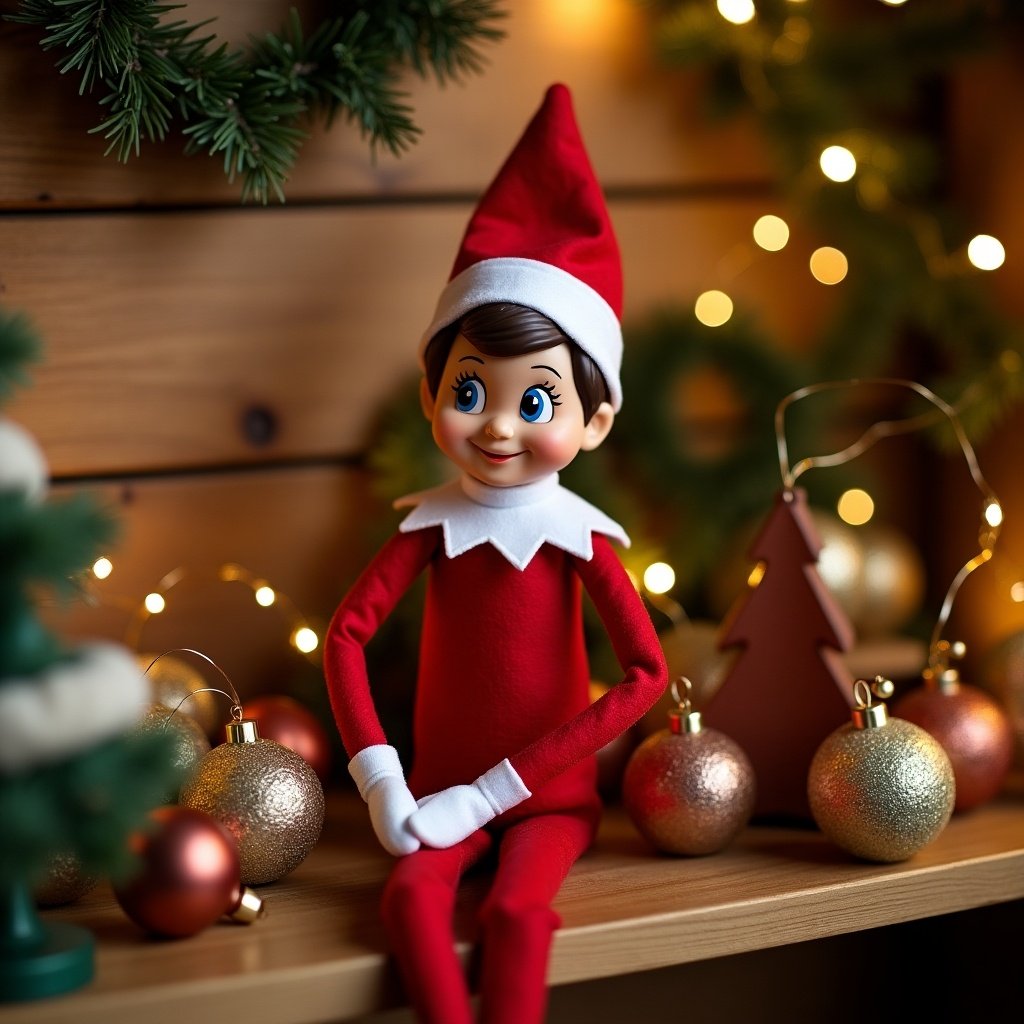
(254, 109)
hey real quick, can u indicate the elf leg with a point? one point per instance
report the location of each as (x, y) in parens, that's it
(417, 906)
(517, 920)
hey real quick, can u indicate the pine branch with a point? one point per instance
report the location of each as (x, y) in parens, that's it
(19, 345)
(255, 109)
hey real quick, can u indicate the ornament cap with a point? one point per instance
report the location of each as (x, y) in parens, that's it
(867, 715)
(684, 722)
(250, 907)
(244, 731)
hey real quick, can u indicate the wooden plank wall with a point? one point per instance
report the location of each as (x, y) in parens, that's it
(175, 318)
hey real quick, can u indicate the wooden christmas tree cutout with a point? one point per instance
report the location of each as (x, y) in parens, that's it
(788, 688)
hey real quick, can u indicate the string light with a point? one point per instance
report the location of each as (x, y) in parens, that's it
(771, 232)
(739, 12)
(986, 252)
(302, 636)
(992, 510)
(837, 163)
(855, 506)
(713, 308)
(1017, 592)
(102, 568)
(828, 265)
(659, 577)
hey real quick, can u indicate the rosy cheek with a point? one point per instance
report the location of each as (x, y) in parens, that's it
(556, 444)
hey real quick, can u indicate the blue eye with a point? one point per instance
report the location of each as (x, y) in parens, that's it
(536, 405)
(470, 395)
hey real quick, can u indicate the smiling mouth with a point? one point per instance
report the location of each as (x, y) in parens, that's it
(496, 457)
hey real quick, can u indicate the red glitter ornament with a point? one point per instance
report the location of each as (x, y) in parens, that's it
(188, 876)
(971, 727)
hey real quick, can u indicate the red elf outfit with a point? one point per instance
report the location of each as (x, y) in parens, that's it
(504, 732)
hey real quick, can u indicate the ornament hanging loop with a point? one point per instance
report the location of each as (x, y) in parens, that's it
(684, 704)
(867, 714)
(683, 719)
(236, 703)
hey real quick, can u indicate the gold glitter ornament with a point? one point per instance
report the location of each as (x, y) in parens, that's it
(688, 789)
(267, 796)
(189, 742)
(880, 788)
(63, 881)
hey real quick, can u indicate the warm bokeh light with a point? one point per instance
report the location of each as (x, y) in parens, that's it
(155, 603)
(828, 265)
(837, 163)
(659, 577)
(265, 596)
(771, 232)
(855, 507)
(894, 3)
(739, 12)
(713, 308)
(1017, 592)
(993, 513)
(305, 639)
(756, 574)
(986, 252)
(102, 568)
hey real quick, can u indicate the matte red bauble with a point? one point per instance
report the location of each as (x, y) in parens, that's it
(971, 727)
(294, 726)
(188, 875)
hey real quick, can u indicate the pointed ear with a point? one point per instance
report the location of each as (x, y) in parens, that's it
(598, 427)
(426, 399)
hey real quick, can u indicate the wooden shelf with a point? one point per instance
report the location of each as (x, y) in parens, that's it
(319, 954)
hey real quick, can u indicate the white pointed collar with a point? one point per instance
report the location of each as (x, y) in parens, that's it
(516, 520)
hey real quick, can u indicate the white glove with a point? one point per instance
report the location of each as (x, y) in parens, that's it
(381, 782)
(446, 818)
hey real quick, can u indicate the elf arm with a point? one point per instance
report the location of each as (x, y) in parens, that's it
(374, 763)
(449, 816)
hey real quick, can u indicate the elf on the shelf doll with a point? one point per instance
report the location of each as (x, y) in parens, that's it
(521, 373)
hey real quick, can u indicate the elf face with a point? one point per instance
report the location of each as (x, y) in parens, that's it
(511, 420)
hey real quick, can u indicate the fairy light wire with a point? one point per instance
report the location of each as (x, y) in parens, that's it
(991, 513)
(236, 706)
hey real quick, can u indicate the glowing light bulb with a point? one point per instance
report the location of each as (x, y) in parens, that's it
(265, 596)
(855, 507)
(659, 577)
(771, 232)
(305, 639)
(739, 12)
(1017, 592)
(837, 163)
(102, 568)
(993, 513)
(155, 603)
(894, 3)
(713, 308)
(828, 265)
(986, 252)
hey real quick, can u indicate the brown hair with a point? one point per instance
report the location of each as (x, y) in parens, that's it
(505, 329)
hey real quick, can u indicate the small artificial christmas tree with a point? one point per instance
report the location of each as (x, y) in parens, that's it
(786, 690)
(71, 781)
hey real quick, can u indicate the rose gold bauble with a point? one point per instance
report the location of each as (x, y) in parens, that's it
(294, 726)
(612, 757)
(173, 680)
(188, 741)
(267, 796)
(188, 875)
(691, 650)
(880, 788)
(973, 729)
(688, 789)
(63, 881)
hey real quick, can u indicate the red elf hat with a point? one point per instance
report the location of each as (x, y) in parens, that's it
(541, 237)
